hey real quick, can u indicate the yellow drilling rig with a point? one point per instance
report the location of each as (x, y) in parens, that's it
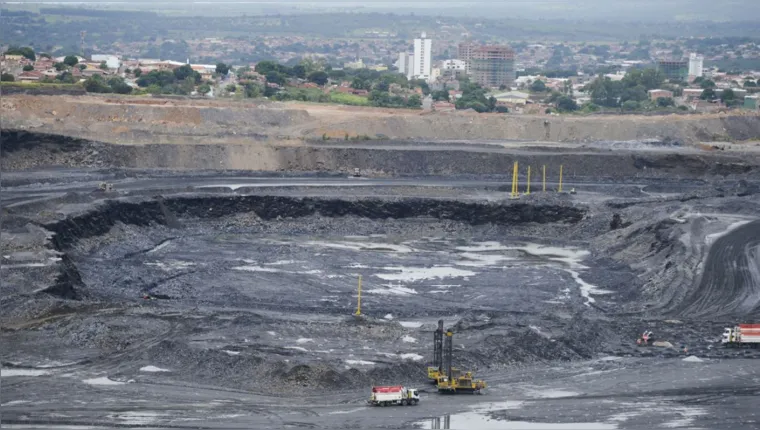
(448, 379)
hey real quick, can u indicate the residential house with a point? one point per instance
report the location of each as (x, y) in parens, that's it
(657, 93)
(512, 97)
(442, 106)
(692, 93)
(31, 76)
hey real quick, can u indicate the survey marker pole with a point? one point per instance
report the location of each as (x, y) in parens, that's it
(527, 190)
(359, 299)
(544, 178)
(560, 178)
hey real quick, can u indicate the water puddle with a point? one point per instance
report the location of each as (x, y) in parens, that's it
(153, 369)
(22, 372)
(103, 380)
(412, 274)
(392, 290)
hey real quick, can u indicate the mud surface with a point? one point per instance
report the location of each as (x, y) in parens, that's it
(226, 299)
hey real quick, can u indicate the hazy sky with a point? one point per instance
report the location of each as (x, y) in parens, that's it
(628, 10)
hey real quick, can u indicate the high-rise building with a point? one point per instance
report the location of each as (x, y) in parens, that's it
(492, 66)
(696, 63)
(674, 69)
(401, 63)
(464, 53)
(422, 57)
(409, 66)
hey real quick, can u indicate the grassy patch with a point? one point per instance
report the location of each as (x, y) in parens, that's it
(348, 99)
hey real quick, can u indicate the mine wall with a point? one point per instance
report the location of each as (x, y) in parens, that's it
(26, 150)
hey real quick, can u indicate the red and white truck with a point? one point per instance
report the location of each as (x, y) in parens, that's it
(742, 335)
(394, 395)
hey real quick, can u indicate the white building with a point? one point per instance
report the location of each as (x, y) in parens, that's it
(409, 66)
(422, 57)
(112, 61)
(401, 63)
(696, 63)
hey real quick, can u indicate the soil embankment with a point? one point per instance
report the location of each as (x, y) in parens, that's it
(155, 120)
(28, 150)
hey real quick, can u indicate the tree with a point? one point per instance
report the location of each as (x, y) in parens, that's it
(204, 89)
(183, 72)
(222, 69)
(118, 85)
(320, 78)
(275, 78)
(491, 104)
(71, 60)
(708, 94)
(299, 71)
(440, 95)
(727, 95)
(538, 86)
(59, 67)
(138, 72)
(28, 68)
(103, 65)
(25, 51)
(707, 83)
(96, 84)
(566, 104)
(414, 101)
(7, 77)
(665, 102)
(252, 90)
(382, 86)
(501, 109)
(630, 105)
(361, 84)
(231, 88)
(66, 78)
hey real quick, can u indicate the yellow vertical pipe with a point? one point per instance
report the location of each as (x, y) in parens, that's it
(359, 299)
(527, 190)
(515, 180)
(560, 178)
(544, 180)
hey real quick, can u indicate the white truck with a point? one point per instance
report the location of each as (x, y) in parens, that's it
(393, 396)
(742, 335)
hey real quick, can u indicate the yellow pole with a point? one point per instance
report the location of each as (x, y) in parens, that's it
(544, 180)
(560, 178)
(515, 180)
(527, 190)
(359, 299)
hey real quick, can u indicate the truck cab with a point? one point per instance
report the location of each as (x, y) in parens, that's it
(729, 335)
(413, 395)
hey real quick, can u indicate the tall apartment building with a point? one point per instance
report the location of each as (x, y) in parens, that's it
(464, 53)
(422, 57)
(674, 69)
(402, 62)
(696, 63)
(492, 66)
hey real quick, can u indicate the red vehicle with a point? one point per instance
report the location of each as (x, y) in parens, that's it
(394, 395)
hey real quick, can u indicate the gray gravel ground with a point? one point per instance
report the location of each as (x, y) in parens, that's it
(251, 285)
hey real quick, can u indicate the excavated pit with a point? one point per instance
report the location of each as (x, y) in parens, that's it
(228, 298)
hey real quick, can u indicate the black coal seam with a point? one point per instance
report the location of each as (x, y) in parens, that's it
(100, 220)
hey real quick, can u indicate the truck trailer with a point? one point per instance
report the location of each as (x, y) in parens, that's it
(742, 335)
(395, 395)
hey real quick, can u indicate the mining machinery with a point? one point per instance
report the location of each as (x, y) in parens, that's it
(447, 378)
